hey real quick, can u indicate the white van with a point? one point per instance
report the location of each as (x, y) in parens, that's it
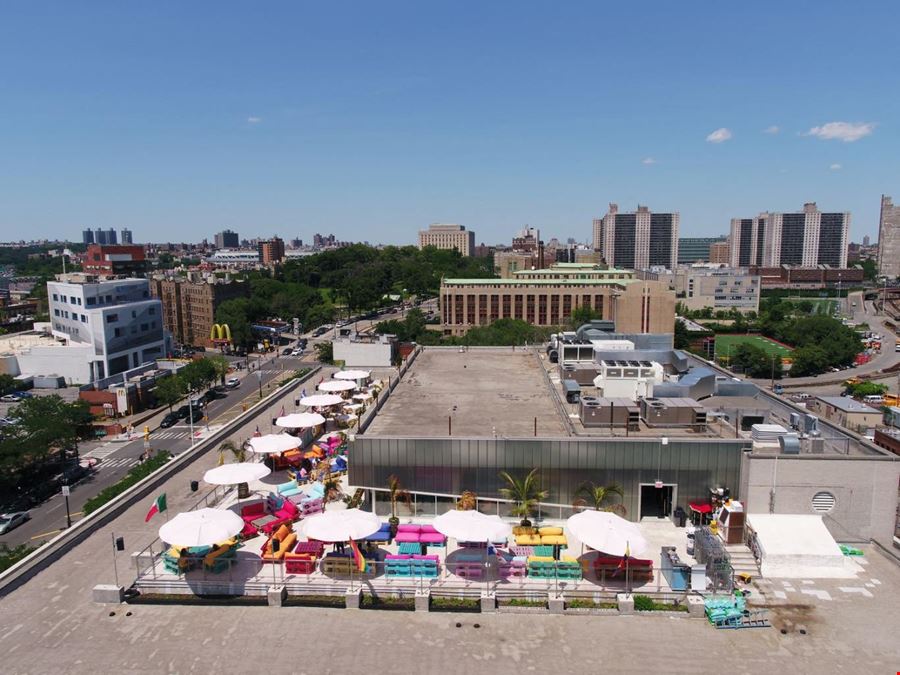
(873, 399)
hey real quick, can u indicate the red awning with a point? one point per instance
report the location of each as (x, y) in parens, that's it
(700, 508)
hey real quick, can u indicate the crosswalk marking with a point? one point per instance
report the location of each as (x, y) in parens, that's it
(103, 451)
(117, 463)
(169, 434)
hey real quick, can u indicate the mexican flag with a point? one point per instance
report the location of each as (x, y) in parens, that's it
(159, 505)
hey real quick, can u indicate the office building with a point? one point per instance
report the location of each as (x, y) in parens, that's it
(527, 240)
(189, 306)
(804, 239)
(105, 236)
(866, 240)
(270, 250)
(720, 252)
(227, 239)
(702, 286)
(696, 249)
(448, 237)
(547, 297)
(117, 317)
(821, 276)
(126, 237)
(87, 236)
(115, 260)
(637, 240)
(889, 239)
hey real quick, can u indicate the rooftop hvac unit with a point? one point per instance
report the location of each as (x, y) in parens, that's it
(811, 425)
(795, 421)
(789, 444)
(816, 445)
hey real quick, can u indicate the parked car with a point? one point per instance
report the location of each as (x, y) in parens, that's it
(232, 382)
(196, 415)
(9, 521)
(286, 351)
(297, 352)
(9, 398)
(169, 420)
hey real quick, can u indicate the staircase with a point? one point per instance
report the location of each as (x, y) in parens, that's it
(742, 560)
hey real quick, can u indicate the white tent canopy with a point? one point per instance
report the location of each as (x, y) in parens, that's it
(337, 385)
(320, 400)
(202, 527)
(273, 443)
(607, 532)
(303, 420)
(352, 375)
(240, 472)
(340, 525)
(472, 526)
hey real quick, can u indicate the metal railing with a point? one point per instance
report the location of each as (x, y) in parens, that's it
(247, 574)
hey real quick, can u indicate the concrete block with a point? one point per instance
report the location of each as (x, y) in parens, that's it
(626, 603)
(488, 602)
(695, 606)
(276, 595)
(557, 605)
(423, 601)
(353, 599)
(108, 594)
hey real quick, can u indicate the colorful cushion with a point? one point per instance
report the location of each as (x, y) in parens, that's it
(282, 533)
(407, 537)
(553, 540)
(528, 539)
(550, 530)
(409, 527)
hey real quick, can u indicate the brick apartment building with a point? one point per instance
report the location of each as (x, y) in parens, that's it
(189, 307)
(107, 260)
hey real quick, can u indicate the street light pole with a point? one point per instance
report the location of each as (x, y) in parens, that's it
(191, 414)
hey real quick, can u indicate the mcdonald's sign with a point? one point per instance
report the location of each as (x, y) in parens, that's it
(220, 333)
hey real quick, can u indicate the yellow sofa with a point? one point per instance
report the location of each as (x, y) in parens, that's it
(528, 540)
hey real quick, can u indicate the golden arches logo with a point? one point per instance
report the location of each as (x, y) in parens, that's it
(220, 331)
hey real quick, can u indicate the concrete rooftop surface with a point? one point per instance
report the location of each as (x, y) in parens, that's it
(485, 391)
(51, 626)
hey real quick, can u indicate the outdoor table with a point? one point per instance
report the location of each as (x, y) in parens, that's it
(262, 521)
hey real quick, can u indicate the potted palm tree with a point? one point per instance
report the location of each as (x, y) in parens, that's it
(239, 452)
(525, 492)
(591, 495)
(397, 493)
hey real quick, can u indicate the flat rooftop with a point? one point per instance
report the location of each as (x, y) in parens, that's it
(483, 391)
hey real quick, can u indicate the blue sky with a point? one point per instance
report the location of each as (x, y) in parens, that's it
(371, 120)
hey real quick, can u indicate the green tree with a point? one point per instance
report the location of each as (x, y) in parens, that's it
(198, 375)
(220, 367)
(525, 492)
(396, 494)
(682, 339)
(8, 384)
(860, 389)
(583, 314)
(596, 497)
(809, 360)
(325, 351)
(235, 313)
(169, 390)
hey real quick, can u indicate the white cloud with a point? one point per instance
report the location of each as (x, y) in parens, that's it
(719, 135)
(774, 129)
(254, 120)
(835, 167)
(842, 131)
(648, 160)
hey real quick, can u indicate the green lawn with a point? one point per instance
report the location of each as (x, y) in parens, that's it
(726, 342)
(823, 306)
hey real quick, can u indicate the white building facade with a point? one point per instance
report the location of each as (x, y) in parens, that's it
(118, 318)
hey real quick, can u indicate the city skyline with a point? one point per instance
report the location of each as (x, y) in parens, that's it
(375, 123)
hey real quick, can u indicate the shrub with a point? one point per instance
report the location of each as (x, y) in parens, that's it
(10, 556)
(643, 604)
(524, 602)
(464, 604)
(133, 477)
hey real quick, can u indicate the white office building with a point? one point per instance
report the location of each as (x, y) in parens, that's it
(118, 318)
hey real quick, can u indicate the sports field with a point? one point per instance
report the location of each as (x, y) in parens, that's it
(727, 342)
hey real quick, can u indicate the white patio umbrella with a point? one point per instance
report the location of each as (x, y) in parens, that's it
(202, 527)
(233, 474)
(337, 385)
(471, 526)
(352, 375)
(320, 400)
(607, 532)
(340, 525)
(303, 420)
(273, 443)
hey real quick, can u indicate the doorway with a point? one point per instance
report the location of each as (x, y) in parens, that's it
(656, 502)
